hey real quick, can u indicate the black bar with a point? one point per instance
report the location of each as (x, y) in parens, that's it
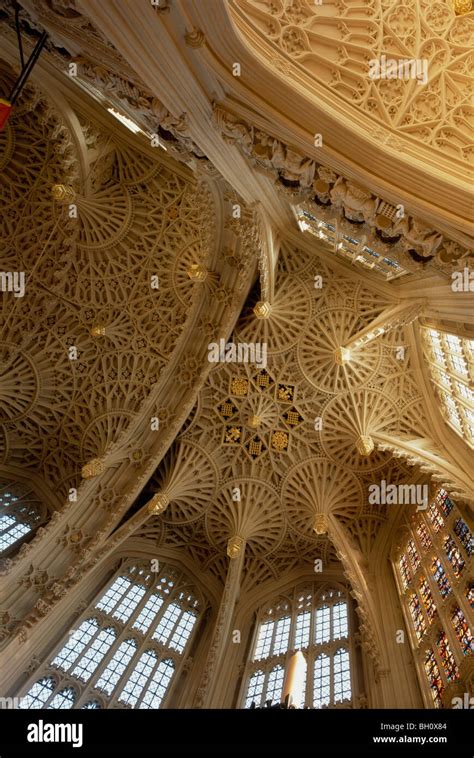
(309, 733)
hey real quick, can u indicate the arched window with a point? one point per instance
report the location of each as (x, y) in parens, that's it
(429, 574)
(315, 621)
(449, 358)
(434, 678)
(20, 514)
(463, 633)
(417, 616)
(463, 532)
(127, 649)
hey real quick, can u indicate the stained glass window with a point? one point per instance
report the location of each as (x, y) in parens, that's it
(449, 358)
(444, 502)
(447, 657)
(454, 555)
(427, 599)
(463, 633)
(404, 572)
(162, 610)
(470, 595)
(424, 537)
(462, 530)
(440, 577)
(434, 678)
(413, 554)
(435, 517)
(417, 616)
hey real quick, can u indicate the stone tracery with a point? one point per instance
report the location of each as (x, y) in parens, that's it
(334, 42)
(287, 438)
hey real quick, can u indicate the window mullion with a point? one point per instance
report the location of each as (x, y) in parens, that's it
(120, 637)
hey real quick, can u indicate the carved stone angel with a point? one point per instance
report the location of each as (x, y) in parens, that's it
(420, 237)
(232, 130)
(358, 203)
(293, 166)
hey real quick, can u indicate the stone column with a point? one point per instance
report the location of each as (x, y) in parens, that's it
(207, 692)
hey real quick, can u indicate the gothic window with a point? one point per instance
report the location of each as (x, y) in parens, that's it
(447, 657)
(273, 638)
(470, 594)
(441, 562)
(444, 502)
(19, 515)
(450, 362)
(427, 599)
(39, 693)
(463, 532)
(255, 689)
(434, 678)
(440, 577)
(64, 699)
(435, 517)
(317, 623)
(454, 555)
(341, 675)
(413, 554)
(322, 681)
(404, 572)
(463, 633)
(347, 246)
(275, 683)
(323, 624)
(423, 536)
(148, 682)
(127, 649)
(116, 666)
(417, 616)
